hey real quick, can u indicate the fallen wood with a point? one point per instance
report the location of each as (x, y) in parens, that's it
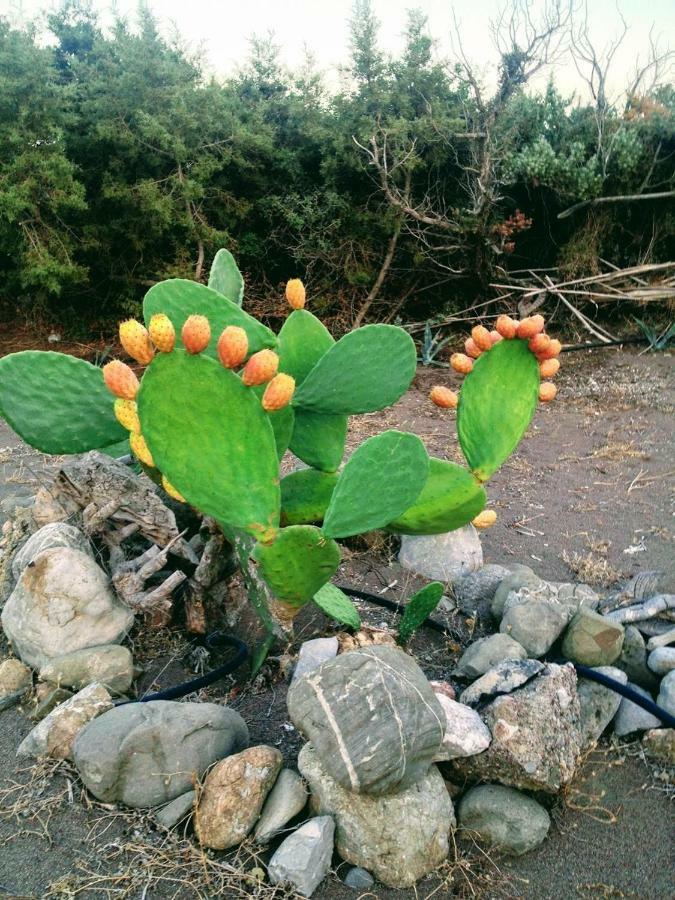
(643, 611)
(623, 198)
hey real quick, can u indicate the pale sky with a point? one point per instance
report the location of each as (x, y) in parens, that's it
(223, 28)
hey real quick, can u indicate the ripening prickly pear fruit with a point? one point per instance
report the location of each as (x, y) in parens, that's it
(551, 351)
(171, 490)
(461, 363)
(472, 349)
(506, 326)
(120, 380)
(486, 519)
(547, 391)
(295, 293)
(140, 449)
(495, 337)
(549, 367)
(135, 339)
(527, 328)
(481, 337)
(196, 334)
(443, 397)
(539, 343)
(126, 413)
(162, 333)
(261, 367)
(232, 347)
(278, 392)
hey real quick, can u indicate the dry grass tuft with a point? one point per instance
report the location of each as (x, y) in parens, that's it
(35, 794)
(591, 569)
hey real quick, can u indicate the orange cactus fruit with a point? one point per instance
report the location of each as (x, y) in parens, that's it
(495, 337)
(171, 490)
(547, 391)
(278, 392)
(484, 520)
(261, 367)
(162, 333)
(527, 328)
(472, 349)
(135, 339)
(443, 397)
(140, 449)
(481, 337)
(549, 367)
(295, 293)
(461, 363)
(506, 326)
(539, 343)
(551, 351)
(120, 380)
(126, 413)
(232, 347)
(196, 334)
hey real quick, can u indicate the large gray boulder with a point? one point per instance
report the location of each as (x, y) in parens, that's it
(372, 716)
(62, 602)
(399, 838)
(145, 754)
(598, 704)
(58, 534)
(446, 557)
(503, 818)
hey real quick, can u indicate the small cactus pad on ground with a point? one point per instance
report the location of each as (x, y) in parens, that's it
(298, 562)
(225, 277)
(305, 496)
(336, 604)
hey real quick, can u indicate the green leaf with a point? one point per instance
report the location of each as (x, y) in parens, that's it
(418, 609)
(297, 563)
(336, 604)
(368, 369)
(382, 479)
(57, 403)
(305, 496)
(225, 277)
(319, 440)
(303, 340)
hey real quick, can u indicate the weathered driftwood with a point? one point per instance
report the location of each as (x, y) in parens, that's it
(640, 587)
(661, 640)
(642, 611)
(206, 590)
(130, 575)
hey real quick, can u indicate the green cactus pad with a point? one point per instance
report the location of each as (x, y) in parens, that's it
(418, 609)
(368, 369)
(282, 421)
(57, 403)
(450, 498)
(305, 496)
(319, 440)
(302, 342)
(298, 563)
(225, 277)
(496, 404)
(212, 439)
(178, 299)
(382, 479)
(336, 604)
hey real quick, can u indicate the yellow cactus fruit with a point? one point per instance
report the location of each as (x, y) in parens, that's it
(551, 351)
(547, 391)
(135, 339)
(472, 349)
(527, 328)
(261, 367)
(295, 293)
(232, 347)
(120, 380)
(549, 367)
(461, 363)
(126, 413)
(140, 449)
(162, 333)
(481, 337)
(196, 334)
(443, 397)
(278, 392)
(484, 520)
(506, 326)
(539, 343)
(495, 337)
(171, 490)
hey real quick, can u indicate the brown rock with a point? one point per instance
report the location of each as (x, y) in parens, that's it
(55, 735)
(233, 795)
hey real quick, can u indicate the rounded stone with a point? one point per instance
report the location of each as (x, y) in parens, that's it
(486, 653)
(504, 818)
(592, 639)
(445, 557)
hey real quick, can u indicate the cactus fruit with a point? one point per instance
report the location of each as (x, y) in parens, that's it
(295, 293)
(171, 490)
(481, 337)
(461, 363)
(549, 367)
(196, 334)
(162, 333)
(472, 348)
(140, 449)
(120, 380)
(485, 519)
(443, 397)
(527, 328)
(232, 347)
(506, 326)
(278, 392)
(495, 337)
(547, 391)
(261, 367)
(135, 339)
(551, 351)
(126, 413)
(539, 343)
